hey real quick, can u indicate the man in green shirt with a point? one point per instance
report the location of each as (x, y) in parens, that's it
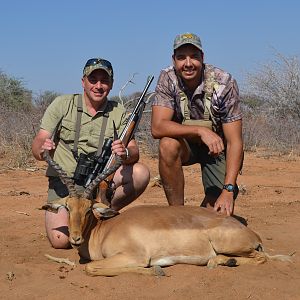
(96, 117)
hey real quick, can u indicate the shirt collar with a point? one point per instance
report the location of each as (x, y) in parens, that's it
(101, 110)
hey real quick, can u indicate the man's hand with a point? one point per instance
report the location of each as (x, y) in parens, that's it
(48, 145)
(119, 149)
(42, 142)
(212, 141)
(225, 203)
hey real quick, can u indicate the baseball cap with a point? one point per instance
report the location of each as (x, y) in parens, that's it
(98, 64)
(187, 38)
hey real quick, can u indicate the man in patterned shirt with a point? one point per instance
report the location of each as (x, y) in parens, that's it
(196, 115)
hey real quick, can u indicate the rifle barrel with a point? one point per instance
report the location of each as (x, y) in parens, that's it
(133, 115)
(150, 79)
(137, 107)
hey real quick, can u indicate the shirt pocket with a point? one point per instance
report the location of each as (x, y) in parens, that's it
(67, 131)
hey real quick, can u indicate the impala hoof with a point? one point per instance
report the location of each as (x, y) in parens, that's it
(158, 271)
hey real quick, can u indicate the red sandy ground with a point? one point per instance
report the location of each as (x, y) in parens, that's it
(270, 204)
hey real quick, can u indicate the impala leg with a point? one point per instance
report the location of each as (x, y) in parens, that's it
(118, 264)
(255, 258)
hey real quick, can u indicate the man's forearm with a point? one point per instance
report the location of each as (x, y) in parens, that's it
(175, 130)
(234, 156)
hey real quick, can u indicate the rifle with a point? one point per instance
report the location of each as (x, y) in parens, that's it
(100, 162)
(106, 190)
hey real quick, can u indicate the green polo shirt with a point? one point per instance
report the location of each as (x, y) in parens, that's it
(64, 108)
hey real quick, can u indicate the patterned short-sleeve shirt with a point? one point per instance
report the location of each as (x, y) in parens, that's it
(225, 102)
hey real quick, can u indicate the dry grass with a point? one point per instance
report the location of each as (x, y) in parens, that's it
(18, 128)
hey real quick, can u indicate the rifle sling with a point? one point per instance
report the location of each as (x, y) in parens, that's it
(77, 128)
(102, 132)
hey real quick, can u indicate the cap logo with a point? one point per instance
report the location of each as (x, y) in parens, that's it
(188, 36)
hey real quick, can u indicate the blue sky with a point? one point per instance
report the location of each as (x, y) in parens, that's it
(46, 43)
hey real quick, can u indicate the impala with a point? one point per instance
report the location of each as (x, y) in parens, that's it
(143, 239)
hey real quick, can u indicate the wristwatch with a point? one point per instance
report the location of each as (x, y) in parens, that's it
(229, 187)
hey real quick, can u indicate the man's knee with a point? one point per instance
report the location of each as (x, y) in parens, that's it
(58, 239)
(169, 148)
(57, 228)
(141, 175)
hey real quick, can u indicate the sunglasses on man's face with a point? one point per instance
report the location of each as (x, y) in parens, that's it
(95, 61)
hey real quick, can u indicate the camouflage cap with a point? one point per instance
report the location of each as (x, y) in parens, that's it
(187, 38)
(98, 64)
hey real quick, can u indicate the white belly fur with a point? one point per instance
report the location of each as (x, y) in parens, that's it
(172, 260)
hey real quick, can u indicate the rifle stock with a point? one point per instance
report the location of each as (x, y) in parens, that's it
(106, 190)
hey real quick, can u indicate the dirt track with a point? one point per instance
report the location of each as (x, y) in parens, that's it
(270, 204)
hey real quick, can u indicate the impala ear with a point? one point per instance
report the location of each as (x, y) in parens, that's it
(55, 205)
(102, 211)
